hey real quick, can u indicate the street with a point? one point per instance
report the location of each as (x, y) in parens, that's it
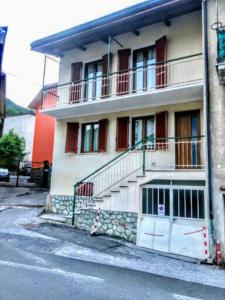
(39, 260)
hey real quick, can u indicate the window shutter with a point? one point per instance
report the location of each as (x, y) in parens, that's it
(76, 76)
(162, 130)
(123, 75)
(105, 80)
(122, 137)
(161, 49)
(102, 137)
(72, 137)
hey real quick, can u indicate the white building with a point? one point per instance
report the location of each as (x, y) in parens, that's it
(130, 130)
(23, 125)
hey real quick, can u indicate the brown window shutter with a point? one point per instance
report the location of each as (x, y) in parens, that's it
(102, 137)
(76, 76)
(162, 130)
(122, 137)
(161, 56)
(123, 75)
(105, 80)
(72, 137)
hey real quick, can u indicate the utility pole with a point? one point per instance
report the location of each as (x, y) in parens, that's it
(3, 32)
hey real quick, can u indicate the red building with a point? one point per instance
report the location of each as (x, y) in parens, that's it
(44, 127)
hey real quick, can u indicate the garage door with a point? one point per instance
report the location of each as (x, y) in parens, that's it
(173, 220)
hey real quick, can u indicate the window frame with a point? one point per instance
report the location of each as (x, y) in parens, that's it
(144, 128)
(83, 125)
(145, 65)
(95, 64)
(172, 189)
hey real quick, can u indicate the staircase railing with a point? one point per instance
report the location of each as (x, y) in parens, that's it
(165, 153)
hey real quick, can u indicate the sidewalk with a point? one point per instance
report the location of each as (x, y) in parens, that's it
(78, 244)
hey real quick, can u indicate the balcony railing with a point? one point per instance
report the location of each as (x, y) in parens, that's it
(173, 73)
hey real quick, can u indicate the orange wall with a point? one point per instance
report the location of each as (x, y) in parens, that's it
(43, 137)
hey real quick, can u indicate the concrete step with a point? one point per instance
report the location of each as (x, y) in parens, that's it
(54, 218)
(97, 199)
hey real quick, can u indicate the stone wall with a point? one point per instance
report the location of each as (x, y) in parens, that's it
(112, 223)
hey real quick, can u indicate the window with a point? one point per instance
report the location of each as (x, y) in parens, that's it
(144, 127)
(156, 201)
(144, 64)
(90, 137)
(93, 83)
(188, 203)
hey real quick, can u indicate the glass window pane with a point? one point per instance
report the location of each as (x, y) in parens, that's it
(181, 202)
(90, 81)
(139, 75)
(167, 202)
(188, 203)
(138, 128)
(175, 203)
(144, 201)
(194, 204)
(150, 132)
(149, 201)
(87, 138)
(95, 138)
(201, 204)
(155, 203)
(99, 80)
(151, 69)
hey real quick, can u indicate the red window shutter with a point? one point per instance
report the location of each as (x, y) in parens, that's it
(122, 137)
(161, 56)
(123, 75)
(72, 137)
(76, 76)
(105, 80)
(102, 137)
(162, 130)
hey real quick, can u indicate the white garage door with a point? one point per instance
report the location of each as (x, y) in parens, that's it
(173, 220)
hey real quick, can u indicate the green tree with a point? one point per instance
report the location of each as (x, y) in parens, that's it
(12, 149)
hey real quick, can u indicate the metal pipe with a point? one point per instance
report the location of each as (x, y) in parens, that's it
(43, 81)
(207, 113)
(108, 64)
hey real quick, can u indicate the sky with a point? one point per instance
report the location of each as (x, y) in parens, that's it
(28, 20)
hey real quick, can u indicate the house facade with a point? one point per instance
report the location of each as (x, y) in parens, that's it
(129, 151)
(44, 129)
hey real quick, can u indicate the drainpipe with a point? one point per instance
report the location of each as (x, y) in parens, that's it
(43, 81)
(207, 115)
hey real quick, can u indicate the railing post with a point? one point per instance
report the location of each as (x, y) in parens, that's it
(74, 204)
(144, 157)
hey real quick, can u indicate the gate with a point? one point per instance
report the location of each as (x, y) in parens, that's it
(173, 219)
(25, 174)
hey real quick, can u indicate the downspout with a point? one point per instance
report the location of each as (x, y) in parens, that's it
(43, 81)
(207, 115)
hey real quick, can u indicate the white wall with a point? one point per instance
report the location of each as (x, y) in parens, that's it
(23, 125)
(69, 168)
(183, 37)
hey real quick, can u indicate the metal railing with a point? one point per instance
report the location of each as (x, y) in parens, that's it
(149, 154)
(166, 74)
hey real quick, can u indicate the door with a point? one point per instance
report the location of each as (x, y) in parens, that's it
(172, 219)
(188, 141)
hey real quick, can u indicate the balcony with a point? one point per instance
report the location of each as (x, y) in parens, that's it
(169, 82)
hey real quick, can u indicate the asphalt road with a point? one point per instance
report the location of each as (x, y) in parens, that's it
(38, 275)
(32, 269)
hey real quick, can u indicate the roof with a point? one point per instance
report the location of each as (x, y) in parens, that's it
(38, 98)
(126, 20)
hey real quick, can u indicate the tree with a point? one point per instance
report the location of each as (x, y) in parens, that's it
(12, 148)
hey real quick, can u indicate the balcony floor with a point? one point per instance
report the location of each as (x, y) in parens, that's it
(159, 97)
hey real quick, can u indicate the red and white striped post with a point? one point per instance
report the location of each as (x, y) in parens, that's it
(95, 225)
(204, 230)
(218, 253)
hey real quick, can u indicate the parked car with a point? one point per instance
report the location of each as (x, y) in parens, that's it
(26, 169)
(4, 175)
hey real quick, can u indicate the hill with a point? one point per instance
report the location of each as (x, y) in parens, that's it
(13, 109)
